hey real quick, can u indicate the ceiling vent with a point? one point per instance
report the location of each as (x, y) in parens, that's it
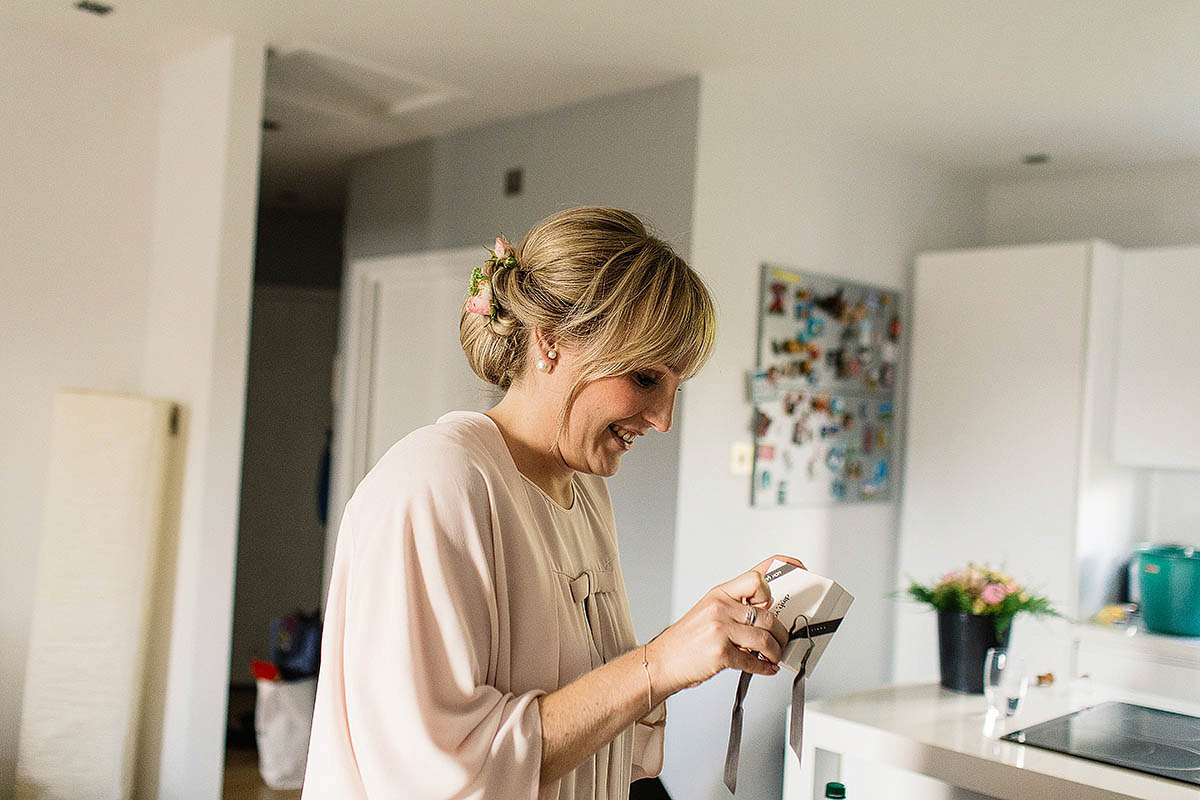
(322, 83)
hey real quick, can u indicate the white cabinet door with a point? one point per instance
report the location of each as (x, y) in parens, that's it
(1158, 360)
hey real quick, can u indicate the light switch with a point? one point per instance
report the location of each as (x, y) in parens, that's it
(741, 458)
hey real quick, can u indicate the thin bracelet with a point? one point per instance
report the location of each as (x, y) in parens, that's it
(649, 687)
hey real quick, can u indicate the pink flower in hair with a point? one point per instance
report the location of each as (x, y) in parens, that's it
(994, 594)
(502, 249)
(481, 301)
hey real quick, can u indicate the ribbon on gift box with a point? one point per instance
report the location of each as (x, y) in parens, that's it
(796, 723)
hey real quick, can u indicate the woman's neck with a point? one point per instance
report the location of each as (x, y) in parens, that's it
(529, 426)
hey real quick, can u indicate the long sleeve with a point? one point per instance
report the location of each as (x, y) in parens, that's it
(648, 740)
(405, 708)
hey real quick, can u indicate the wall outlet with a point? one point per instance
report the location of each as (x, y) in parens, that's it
(741, 458)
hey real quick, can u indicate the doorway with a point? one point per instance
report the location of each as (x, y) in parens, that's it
(288, 429)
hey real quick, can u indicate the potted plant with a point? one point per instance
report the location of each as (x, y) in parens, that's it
(975, 606)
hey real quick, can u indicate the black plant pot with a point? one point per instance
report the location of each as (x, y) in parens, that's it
(963, 642)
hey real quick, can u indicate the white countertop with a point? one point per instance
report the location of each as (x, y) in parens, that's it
(926, 729)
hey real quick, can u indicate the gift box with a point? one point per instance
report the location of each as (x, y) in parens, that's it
(811, 607)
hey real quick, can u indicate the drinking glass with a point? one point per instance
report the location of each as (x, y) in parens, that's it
(1005, 682)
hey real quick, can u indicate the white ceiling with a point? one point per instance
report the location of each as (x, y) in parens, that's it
(972, 84)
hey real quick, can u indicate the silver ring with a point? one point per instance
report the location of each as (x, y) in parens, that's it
(751, 615)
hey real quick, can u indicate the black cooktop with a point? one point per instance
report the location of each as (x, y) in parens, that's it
(1145, 739)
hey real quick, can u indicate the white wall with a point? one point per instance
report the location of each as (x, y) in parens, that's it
(634, 151)
(1174, 507)
(1148, 207)
(195, 351)
(76, 197)
(774, 184)
(127, 212)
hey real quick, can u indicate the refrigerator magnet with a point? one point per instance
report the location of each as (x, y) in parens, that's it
(761, 423)
(778, 298)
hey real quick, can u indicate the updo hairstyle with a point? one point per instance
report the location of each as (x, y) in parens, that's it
(594, 279)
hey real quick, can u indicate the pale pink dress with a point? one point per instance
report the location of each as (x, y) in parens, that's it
(460, 593)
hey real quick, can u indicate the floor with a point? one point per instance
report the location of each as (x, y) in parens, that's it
(242, 781)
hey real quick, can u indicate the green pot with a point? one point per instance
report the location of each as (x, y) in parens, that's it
(1169, 577)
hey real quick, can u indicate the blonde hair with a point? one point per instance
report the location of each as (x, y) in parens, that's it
(597, 280)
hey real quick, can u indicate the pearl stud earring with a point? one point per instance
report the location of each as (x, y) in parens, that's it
(543, 365)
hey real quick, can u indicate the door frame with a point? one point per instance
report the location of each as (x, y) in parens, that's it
(354, 368)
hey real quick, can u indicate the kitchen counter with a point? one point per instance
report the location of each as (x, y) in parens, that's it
(931, 731)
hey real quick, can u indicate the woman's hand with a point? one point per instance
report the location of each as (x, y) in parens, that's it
(730, 628)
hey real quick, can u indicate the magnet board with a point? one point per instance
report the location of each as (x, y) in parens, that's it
(824, 390)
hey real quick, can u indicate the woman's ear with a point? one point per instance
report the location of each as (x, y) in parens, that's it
(542, 340)
(546, 345)
(547, 351)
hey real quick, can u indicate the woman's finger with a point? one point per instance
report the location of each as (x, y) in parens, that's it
(755, 637)
(775, 628)
(749, 587)
(761, 618)
(767, 562)
(749, 643)
(746, 662)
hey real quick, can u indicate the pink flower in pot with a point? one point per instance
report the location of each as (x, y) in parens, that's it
(994, 593)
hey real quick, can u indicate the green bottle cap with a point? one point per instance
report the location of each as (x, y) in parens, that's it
(833, 789)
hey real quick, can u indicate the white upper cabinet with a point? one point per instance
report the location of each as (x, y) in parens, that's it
(1158, 360)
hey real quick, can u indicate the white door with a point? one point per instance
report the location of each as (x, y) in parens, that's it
(402, 363)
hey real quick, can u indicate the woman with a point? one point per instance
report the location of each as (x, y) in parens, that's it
(478, 640)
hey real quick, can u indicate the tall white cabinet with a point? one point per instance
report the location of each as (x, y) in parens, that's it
(1010, 408)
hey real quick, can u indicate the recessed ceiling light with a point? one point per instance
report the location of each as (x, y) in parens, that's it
(99, 9)
(1035, 158)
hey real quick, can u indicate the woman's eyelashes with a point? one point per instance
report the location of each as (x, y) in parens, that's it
(646, 380)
